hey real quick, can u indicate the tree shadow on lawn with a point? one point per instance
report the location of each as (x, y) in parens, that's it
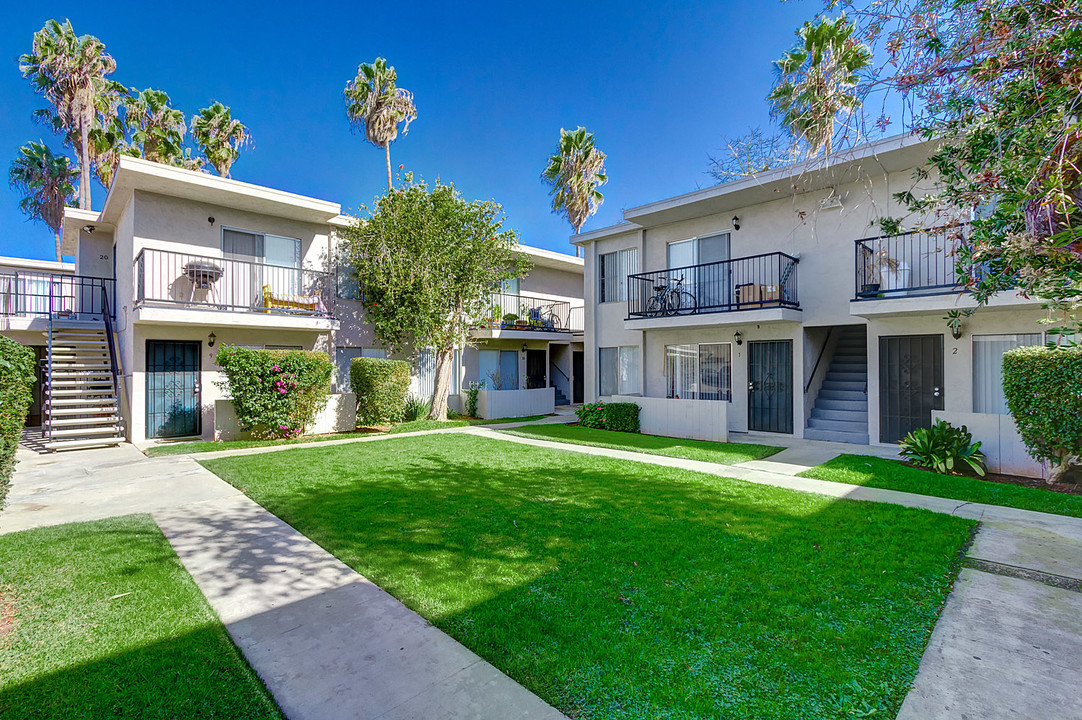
(620, 589)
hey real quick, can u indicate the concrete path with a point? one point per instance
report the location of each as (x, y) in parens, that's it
(326, 641)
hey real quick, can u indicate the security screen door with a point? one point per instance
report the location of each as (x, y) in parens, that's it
(770, 386)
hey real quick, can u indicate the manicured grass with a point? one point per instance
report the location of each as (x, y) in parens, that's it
(617, 589)
(715, 452)
(202, 446)
(105, 622)
(893, 475)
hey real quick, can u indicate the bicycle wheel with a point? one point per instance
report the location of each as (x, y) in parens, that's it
(688, 303)
(653, 307)
(554, 320)
(672, 302)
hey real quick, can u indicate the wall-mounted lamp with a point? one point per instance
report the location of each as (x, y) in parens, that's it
(736, 222)
(210, 220)
(89, 229)
(210, 340)
(524, 348)
(738, 337)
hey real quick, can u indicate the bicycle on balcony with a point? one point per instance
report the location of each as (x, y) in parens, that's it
(670, 298)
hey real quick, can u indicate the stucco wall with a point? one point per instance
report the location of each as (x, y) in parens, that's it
(550, 282)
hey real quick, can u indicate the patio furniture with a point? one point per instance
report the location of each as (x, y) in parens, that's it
(300, 304)
(202, 275)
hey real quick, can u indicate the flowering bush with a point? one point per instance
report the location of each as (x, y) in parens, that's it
(276, 393)
(621, 417)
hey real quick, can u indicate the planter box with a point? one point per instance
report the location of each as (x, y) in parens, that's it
(340, 415)
(515, 403)
(691, 419)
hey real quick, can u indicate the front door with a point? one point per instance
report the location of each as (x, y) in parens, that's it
(910, 383)
(770, 386)
(173, 407)
(578, 371)
(536, 372)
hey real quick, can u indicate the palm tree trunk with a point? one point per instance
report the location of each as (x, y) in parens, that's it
(387, 147)
(84, 164)
(56, 232)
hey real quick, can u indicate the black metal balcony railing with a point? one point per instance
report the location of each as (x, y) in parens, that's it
(919, 262)
(519, 312)
(163, 277)
(748, 283)
(35, 294)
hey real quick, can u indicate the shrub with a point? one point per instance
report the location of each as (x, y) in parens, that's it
(16, 392)
(471, 397)
(381, 387)
(416, 408)
(276, 393)
(622, 417)
(942, 448)
(1043, 386)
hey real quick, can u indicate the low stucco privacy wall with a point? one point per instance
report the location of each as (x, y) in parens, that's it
(1000, 442)
(690, 419)
(340, 415)
(515, 403)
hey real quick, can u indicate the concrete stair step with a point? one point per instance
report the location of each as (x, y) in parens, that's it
(83, 443)
(841, 425)
(68, 402)
(847, 415)
(860, 406)
(83, 366)
(836, 436)
(839, 376)
(828, 394)
(96, 411)
(104, 389)
(80, 381)
(837, 385)
(69, 422)
(75, 432)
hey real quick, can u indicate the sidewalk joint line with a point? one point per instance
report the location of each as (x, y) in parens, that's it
(997, 568)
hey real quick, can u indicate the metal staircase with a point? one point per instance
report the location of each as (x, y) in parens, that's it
(80, 397)
(840, 412)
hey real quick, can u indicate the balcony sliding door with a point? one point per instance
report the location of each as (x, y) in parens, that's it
(707, 283)
(270, 261)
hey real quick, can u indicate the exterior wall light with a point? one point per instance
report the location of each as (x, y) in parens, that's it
(524, 347)
(736, 222)
(738, 337)
(89, 229)
(210, 340)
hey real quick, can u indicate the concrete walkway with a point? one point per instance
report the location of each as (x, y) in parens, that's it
(326, 641)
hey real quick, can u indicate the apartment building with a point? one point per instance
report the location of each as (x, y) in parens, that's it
(178, 263)
(774, 300)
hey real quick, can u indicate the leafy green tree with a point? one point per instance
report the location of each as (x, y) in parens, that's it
(157, 130)
(428, 263)
(816, 81)
(220, 136)
(70, 71)
(46, 183)
(376, 103)
(575, 171)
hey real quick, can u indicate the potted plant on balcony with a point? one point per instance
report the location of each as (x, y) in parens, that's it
(509, 321)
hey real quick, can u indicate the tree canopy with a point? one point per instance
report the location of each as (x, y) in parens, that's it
(46, 182)
(575, 171)
(375, 102)
(427, 262)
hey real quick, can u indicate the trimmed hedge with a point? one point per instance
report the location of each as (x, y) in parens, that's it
(1043, 386)
(16, 393)
(276, 393)
(622, 417)
(380, 386)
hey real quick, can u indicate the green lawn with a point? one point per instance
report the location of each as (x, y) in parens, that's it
(187, 448)
(893, 475)
(617, 589)
(105, 622)
(715, 452)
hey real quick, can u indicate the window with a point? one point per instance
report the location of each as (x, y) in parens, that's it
(618, 371)
(273, 260)
(699, 372)
(613, 269)
(498, 369)
(343, 358)
(348, 286)
(510, 286)
(988, 369)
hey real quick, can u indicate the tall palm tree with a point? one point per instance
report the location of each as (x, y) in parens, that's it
(45, 180)
(575, 171)
(220, 137)
(375, 102)
(70, 71)
(816, 81)
(157, 129)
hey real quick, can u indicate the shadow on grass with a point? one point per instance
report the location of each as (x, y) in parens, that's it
(618, 589)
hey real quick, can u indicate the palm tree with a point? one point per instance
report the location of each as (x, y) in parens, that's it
(157, 129)
(575, 172)
(816, 79)
(70, 71)
(375, 102)
(45, 180)
(220, 137)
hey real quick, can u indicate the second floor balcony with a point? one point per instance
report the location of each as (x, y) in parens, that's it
(31, 296)
(167, 279)
(915, 263)
(758, 282)
(530, 314)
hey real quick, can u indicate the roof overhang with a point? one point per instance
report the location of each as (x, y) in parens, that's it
(540, 257)
(74, 222)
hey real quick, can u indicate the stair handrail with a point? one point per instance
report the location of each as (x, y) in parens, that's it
(105, 311)
(557, 368)
(822, 351)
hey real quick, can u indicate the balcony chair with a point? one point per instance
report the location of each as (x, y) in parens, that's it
(299, 304)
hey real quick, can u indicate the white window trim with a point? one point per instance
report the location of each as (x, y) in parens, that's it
(620, 390)
(621, 281)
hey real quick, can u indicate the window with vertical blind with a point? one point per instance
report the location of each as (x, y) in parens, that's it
(699, 372)
(613, 269)
(619, 371)
(343, 358)
(988, 352)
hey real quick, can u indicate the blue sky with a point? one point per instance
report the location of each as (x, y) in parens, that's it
(657, 83)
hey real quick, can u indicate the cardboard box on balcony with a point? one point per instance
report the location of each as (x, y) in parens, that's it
(758, 295)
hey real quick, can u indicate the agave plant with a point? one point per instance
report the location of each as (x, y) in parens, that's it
(575, 171)
(376, 103)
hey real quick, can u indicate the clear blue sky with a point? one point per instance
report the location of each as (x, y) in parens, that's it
(658, 84)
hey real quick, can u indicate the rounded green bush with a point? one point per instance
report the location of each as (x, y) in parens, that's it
(16, 393)
(381, 387)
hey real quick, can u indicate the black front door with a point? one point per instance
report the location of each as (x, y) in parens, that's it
(910, 383)
(173, 407)
(536, 372)
(770, 386)
(578, 370)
